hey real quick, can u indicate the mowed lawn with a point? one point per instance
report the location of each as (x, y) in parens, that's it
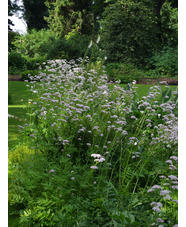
(20, 94)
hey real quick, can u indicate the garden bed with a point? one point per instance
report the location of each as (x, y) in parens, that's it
(94, 153)
(14, 78)
(162, 80)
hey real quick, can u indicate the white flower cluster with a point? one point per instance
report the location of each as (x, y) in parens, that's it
(98, 157)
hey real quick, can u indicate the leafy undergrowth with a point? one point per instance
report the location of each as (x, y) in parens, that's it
(95, 154)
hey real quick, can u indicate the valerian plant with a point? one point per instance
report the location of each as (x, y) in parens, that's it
(98, 148)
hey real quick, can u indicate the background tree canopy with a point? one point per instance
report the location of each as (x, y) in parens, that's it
(133, 30)
(12, 8)
(137, 32)
(80, 16)
(34, 12)
(129, 31)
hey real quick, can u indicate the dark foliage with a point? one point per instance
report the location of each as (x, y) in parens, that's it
(34, 12)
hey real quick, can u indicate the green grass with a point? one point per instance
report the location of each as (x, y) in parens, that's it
(13, 133)
(142, 89)
(18, 91)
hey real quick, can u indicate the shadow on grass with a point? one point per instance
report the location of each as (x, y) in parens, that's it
(18, 116)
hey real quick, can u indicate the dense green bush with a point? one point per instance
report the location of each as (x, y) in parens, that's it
(35, 43)
(129, 32)
(38, 46)
(20, 64)
(12, 36)
(32, 63)
(19, 155)
(72, 48)
(44, 44)
(165, 62)
(124, 72)
(25, 75)
(28, 50)
(16, 62)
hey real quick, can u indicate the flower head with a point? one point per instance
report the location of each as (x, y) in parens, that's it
(160, 220)
(52, 171)
(98, 39)
(94, 167)
(157, 209)
(164, 192)
(172, 177)
(96, 155)
(90, 44)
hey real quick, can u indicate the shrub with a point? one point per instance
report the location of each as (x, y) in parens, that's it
(38, 46)
(16, 62)
(124, 72)
(35, 44)
(32, 63)
(68, 48)
(165, 62)
(60, 49)
(20, 64)
(12, 36)
(25, 75)
(19, 155)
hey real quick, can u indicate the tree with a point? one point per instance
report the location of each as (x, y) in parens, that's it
(167, 18)
(157, 6)
(34, 12)
(12, 8)
(10, 13)
(129, 31)
(169, 24)
(81, 16)
(174, 3)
